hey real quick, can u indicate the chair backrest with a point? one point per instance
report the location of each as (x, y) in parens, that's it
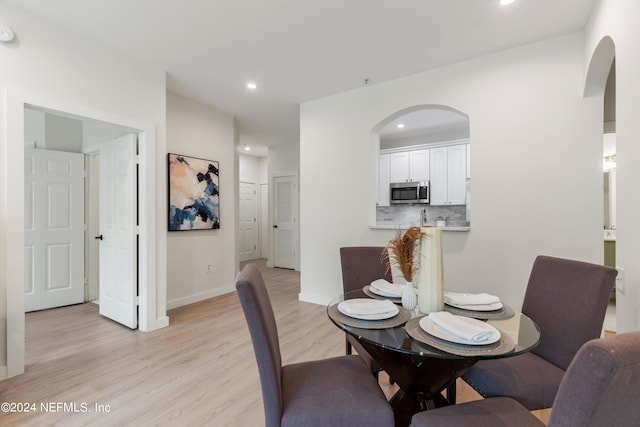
(264, 335)
(601, 385)
(568, 300)
(362, 265)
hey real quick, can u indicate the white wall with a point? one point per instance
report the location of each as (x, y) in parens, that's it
(537, 168)
(198, 130)
(284, 157)
(619, 20)
(63, 134)
(249, 168)
(51, 67)
(34, 133)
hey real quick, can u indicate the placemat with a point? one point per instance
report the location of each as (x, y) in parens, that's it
(367, 291)
(504, 313)
(397, 320)
(504, 345)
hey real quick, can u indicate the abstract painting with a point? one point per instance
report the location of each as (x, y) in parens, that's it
(194, 193)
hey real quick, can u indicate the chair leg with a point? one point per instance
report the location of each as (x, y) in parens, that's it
(451, 393)
(348, 347)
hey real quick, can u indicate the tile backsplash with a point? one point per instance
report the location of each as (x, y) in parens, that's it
(409, 215)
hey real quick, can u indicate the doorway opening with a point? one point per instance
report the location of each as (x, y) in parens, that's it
(65, 198)
(152, 301)
(601, 81)
(609, 172)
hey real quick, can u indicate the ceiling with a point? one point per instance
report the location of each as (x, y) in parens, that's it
(301, 50)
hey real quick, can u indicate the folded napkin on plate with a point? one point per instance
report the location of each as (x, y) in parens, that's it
(458, 298)
(362, 306)
(464, 327)
(386, 288)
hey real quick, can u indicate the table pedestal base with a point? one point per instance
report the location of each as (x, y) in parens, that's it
(421, 379)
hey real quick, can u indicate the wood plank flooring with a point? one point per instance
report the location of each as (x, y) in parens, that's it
(199, 371)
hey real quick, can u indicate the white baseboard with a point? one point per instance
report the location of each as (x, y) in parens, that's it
(314, 298)
(179, 302)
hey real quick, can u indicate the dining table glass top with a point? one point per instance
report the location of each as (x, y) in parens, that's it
(519, 332)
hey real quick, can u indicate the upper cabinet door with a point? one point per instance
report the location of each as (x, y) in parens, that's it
(438, 182)
(448, 175)
(399, 167)
(457, 174)
(419, 165)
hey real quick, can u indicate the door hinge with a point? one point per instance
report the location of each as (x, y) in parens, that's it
(137, 300)
(137, 229)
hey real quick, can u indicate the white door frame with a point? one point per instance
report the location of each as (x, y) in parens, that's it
(263, 223)
(152, 286)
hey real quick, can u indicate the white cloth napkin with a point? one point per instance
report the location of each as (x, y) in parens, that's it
(458, 298)
(385, 288)
(464, 327)
(366, 306)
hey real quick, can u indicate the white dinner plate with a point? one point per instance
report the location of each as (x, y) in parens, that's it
(376, 316)
(478, 307)
(383, 293)
(431, 328)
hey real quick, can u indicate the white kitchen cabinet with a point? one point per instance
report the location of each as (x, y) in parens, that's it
(399, 167)
(448, 167)
(409, 166)
(383, 180)
(419, 165)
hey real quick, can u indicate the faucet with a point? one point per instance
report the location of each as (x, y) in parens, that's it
(423, 217)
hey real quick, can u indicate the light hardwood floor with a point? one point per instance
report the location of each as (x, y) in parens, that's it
(199, 371)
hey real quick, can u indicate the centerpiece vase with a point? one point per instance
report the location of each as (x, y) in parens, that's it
(409, 298)
(431, 275)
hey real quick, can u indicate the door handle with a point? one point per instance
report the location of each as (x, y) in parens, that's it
(98, 237)
(275, 226)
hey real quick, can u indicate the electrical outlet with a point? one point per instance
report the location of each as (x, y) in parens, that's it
(620, 280)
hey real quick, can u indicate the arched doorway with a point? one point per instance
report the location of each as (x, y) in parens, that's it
(601, 81)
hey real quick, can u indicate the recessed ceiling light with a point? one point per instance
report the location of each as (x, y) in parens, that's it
(400, 125)
(251, 85)
(6, 35)
(506, 2)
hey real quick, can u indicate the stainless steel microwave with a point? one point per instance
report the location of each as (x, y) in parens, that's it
(409, 192)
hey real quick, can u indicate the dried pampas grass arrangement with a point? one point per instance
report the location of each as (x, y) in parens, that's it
(403, 250)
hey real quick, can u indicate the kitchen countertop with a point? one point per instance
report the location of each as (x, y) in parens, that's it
(391, 226)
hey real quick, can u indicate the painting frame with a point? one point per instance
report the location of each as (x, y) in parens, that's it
(193, 198)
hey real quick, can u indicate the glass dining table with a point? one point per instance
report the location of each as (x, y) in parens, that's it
(423, 365)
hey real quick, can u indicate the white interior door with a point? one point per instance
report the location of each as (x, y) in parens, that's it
(284, 221)
(54, 229)
(264, 221)
(118, 231)
(248, 221)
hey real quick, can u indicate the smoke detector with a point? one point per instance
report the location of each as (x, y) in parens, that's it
(6, 35)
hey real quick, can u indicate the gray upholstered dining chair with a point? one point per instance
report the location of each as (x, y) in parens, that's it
(361, 265)
(568, 300)
(600, 388)
(339, 391)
